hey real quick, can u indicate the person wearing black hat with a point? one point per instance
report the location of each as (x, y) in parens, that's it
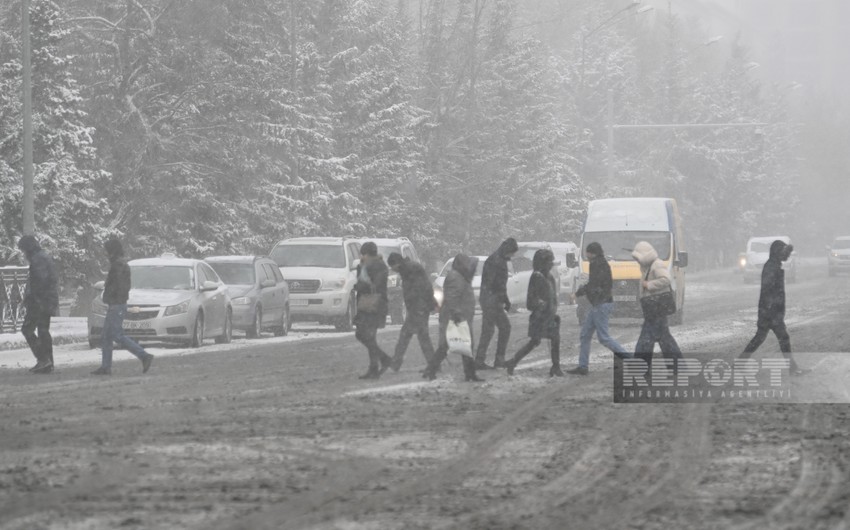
(598, 293)
(41, 301)
(116, 291)
(371, 289)
(419, 301)
(771, 315)
(495, 304)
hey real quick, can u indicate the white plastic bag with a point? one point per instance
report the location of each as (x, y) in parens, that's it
(459, 338)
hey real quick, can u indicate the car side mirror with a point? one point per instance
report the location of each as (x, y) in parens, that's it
(571, 260)
(267, 283)
(209, 286)
(682, 259)
(100, 285)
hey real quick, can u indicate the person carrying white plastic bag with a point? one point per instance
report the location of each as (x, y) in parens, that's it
(458, 309)
(459, 338)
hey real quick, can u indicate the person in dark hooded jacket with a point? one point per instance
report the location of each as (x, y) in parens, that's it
(494, 304)
(458, 306)
(41, 300)
(544, 322)
(371, 285)
(771, 315)
(116, 291)
(419, 301)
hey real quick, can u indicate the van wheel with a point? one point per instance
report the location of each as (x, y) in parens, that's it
(346, 323)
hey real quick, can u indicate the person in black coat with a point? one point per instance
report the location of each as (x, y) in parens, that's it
(419, 300)
(458, 306)
(116, 291)
(544, 322)
(371, 289)
(771, 315)
(494, 304)
(41, 301)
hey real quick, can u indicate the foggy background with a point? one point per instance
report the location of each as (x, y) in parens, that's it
(223, 126)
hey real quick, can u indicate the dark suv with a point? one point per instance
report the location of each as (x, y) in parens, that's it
(403, 246)
(258, 293)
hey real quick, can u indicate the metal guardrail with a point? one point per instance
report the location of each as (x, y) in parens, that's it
(13, 282)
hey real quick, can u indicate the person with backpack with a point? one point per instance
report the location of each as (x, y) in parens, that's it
(418, 294)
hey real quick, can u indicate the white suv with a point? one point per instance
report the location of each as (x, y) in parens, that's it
(320, 272)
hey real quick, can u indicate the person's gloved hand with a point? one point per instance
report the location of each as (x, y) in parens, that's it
(457, 319)
(507, 305)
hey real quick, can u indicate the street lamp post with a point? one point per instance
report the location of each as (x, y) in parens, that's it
(28, 201)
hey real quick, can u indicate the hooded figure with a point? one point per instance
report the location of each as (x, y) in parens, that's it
(41, 300)
(544, 322)
(458, 306)
(371, 288)
(116, 291)
(655, 279)
(598, 292)
(771, 314)
(494, 302)
(419, 300)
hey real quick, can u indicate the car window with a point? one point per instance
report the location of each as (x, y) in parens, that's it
(521, 263)
(277, 275)
(841, 244)
(309, 255)
(201, 276)
(234, 273)
(269, 272)
(353, 252)
(386, 250)
(209, 273)
(164, 277)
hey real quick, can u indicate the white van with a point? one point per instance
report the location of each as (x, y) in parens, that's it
(619, 224)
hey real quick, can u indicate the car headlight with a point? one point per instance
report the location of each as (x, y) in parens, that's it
(743, 262)
(178, 309)
(98, 307)
(242, 300)
(333, 285)
(835, 254)
(438, 296)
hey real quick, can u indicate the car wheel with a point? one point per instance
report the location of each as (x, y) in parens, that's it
(347, 321)
(285, 324)
(227, 334)
(256, 328)
(398, 314)
(198, 332)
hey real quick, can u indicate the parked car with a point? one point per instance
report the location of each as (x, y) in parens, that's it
(758, 251)
(517, 285)
(403, 246)
(258, 293)
(320, 272)
(839, 255)
(171, 300)
(525, 255)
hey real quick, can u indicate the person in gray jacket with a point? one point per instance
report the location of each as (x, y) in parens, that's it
(458, 306)
(655, 280)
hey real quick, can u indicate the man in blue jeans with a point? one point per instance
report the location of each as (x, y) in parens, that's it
(115, 295)
(598, 292)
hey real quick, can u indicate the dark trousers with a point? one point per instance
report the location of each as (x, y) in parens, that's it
(493, 316)
(368, 336)
(656, 330)
(113, 331)
(781, 332)
(41, 343)
(443, 349)
(414, 324)
(554, 349)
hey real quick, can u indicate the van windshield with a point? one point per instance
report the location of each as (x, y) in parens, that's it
(328, 256)
(762, 247)
(841, 244)
(619, 245)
